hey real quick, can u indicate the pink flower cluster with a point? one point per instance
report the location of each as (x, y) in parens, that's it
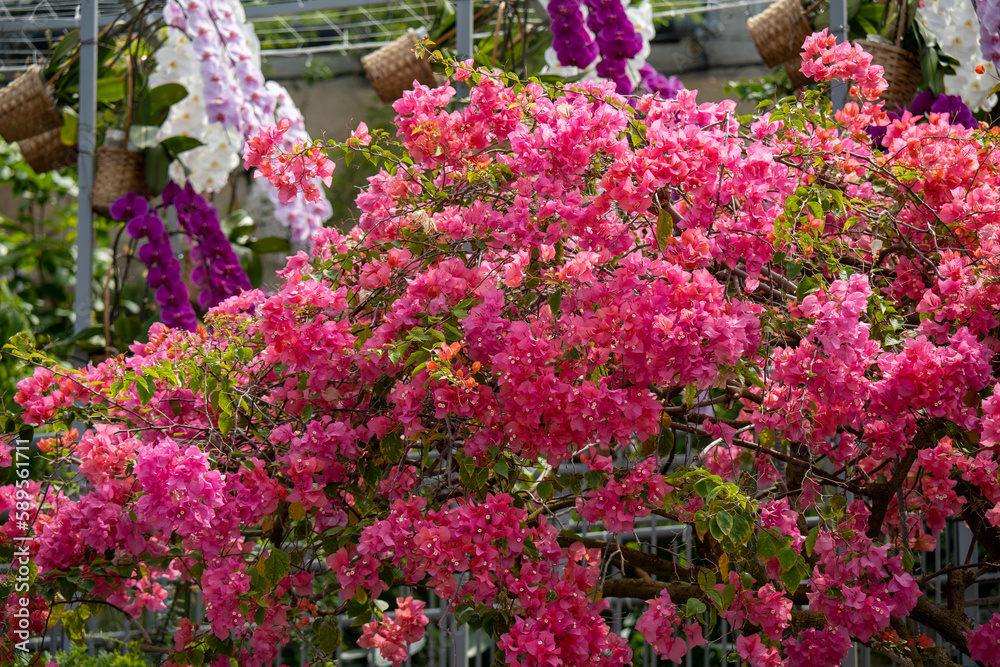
(558, 623)
(659, 623)
(817, 648)
(824, 59)
(391, 635)
(765, 607)
(621, 501)
(556, 620)
(43, 394)
(984, 642)
(290, 173)
(820, 385)
(858, 585)
(181, 491)
(756, 652)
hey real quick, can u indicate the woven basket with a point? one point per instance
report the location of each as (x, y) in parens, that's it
(46, 151)
(117, 173)
(902, 73)
(393, 68)
(778, 31)
(798, 79)
(26, 109)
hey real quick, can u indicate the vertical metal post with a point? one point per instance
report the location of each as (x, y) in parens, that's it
(463, 28)
(85, 164)
(463, 38)
(838, 27)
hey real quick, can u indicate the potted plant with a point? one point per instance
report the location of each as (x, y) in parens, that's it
(130, 157)
(37, 109)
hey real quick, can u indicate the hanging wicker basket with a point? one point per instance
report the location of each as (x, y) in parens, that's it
(902, 73)
(118, 172)
(792, 67)
(393, 68)
(778, 31)
(26, 108)
(46, 151)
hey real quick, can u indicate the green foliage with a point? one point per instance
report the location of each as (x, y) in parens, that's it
(79, 657)
(770, 88)
(36, 265)
(38, 271)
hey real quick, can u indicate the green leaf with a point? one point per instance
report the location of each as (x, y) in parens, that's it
(715, 597)
(146, 387)
(544, 490)
(177, 145)
(806, 286)
(276, 566)
(196, 657)
(255, 269)
(69, 131)
(725, 520)
(157, 165)
(62, 51)
(269, 244)
(73, 626)
(706, 579)
(501, 468)
(226, 422)
(787, 557)
(555, 301)
(866, 25)
(811, 540)
(792, 578)
(695, 607)
(704, 486)
(741, 530)
(728, 596)
(392, 446)
(167, 95)
(111, 89)
(594, 478)
(664, 228)
(767, 545)
(329, 637)
(690, 395)
(666, 444)
(715, 529)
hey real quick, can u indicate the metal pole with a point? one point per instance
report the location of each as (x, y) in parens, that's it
(463, 29)
(463, 39)
(838, 27)
(85, 164)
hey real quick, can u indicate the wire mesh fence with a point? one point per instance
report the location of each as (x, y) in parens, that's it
(29, 29)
